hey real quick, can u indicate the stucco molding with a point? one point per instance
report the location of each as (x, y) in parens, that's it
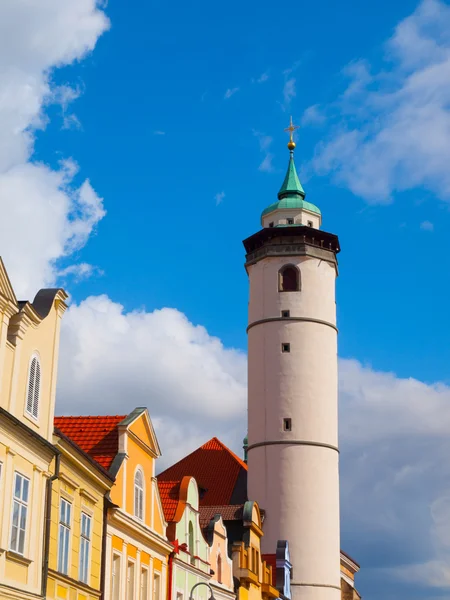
(293, 319)
(292, 443)
(317, 585)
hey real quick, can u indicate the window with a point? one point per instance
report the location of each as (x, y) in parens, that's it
(139, 495)
(34, 387)
(287, 424)
(156, 586)
(144, 583)
(290, 221)
(289, 279)
(219, 569)
(285, 314)
(310, 224)
(271, 224)
(130, 580)
(65, 514)
(115, 577)
(85, 546)
(191, 543)
(19, 513)
(285, 347)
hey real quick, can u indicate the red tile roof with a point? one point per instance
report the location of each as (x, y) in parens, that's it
(230, 512)
(221, 475)
(96, 435)
(169, 492)
(271, 560)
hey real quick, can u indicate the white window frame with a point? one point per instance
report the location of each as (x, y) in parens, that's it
(116, 578)
(85, 547)
(139, 495)
(64, 536)
(130, 594)
(156, 588)
(33, 391)
(146, 570)
(20, 501)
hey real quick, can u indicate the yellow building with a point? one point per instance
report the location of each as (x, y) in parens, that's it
(77, 523)
(29, 342)
(252, 571)
(136, 547)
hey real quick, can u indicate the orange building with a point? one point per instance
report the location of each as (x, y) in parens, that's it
(136, 548)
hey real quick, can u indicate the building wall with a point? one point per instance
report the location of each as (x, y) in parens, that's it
(136, 550)
(25, 446)
(84, 487)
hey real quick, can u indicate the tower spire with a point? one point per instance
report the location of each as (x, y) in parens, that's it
(291, 185)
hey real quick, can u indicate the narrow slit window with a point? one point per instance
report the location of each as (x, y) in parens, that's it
(285, 347)
(285, 314)
(287, 424)
(271, 224)
(290, 221)
(310, 223)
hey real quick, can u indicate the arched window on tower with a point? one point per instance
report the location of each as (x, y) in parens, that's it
(191, 543)
(289, 279)
(34, 387)
(139, 495)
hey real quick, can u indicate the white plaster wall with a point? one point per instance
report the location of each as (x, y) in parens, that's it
(297, 485)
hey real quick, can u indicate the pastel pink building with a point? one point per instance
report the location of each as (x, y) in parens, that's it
(293, 455)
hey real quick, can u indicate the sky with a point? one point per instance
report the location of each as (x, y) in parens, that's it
(139, 144)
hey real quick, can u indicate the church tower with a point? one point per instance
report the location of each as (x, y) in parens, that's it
(293, 457)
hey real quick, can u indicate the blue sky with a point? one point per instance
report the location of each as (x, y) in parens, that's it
(139, 145)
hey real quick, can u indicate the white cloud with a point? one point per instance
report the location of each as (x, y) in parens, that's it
(427, 226)
(261, 79)
(112, 361)
(219, 198)
(289, 92)
(266, 166)
(49, 217)
(313, 116)
(265, 141)
(393, 128)
(230, 92)
(157, 132)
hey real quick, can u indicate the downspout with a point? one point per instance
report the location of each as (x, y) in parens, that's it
(106, 503)
(47, 523)
(170, 570)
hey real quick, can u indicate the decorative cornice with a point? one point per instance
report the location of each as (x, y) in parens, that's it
(119, 517)
(292, 443)
(293, 319)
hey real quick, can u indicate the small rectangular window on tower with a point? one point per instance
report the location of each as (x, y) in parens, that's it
(285, 347)
(310, 223)
(287, 424)
(285, 314)
(271, 224)
(290, 221)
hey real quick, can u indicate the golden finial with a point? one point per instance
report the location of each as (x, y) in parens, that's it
(291, 129)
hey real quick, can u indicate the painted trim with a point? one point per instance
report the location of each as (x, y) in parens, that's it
(293, 443)
(299, 319)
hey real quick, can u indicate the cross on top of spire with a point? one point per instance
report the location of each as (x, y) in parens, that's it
(291, 129)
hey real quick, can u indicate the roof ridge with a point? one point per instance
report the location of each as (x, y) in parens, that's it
(90, 416)
(225, 447)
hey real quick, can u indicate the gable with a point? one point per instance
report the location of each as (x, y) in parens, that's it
(6, 288)
(140, 426)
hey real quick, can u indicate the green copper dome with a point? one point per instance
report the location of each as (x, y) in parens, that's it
(291, 194)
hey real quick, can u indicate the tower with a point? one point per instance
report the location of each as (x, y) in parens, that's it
(293, 470)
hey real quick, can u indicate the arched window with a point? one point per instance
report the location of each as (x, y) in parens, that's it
(34, 387)
(289, 279)
(139, 495)
(191, 543)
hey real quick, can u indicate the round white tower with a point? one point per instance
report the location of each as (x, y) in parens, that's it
(293, 470)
